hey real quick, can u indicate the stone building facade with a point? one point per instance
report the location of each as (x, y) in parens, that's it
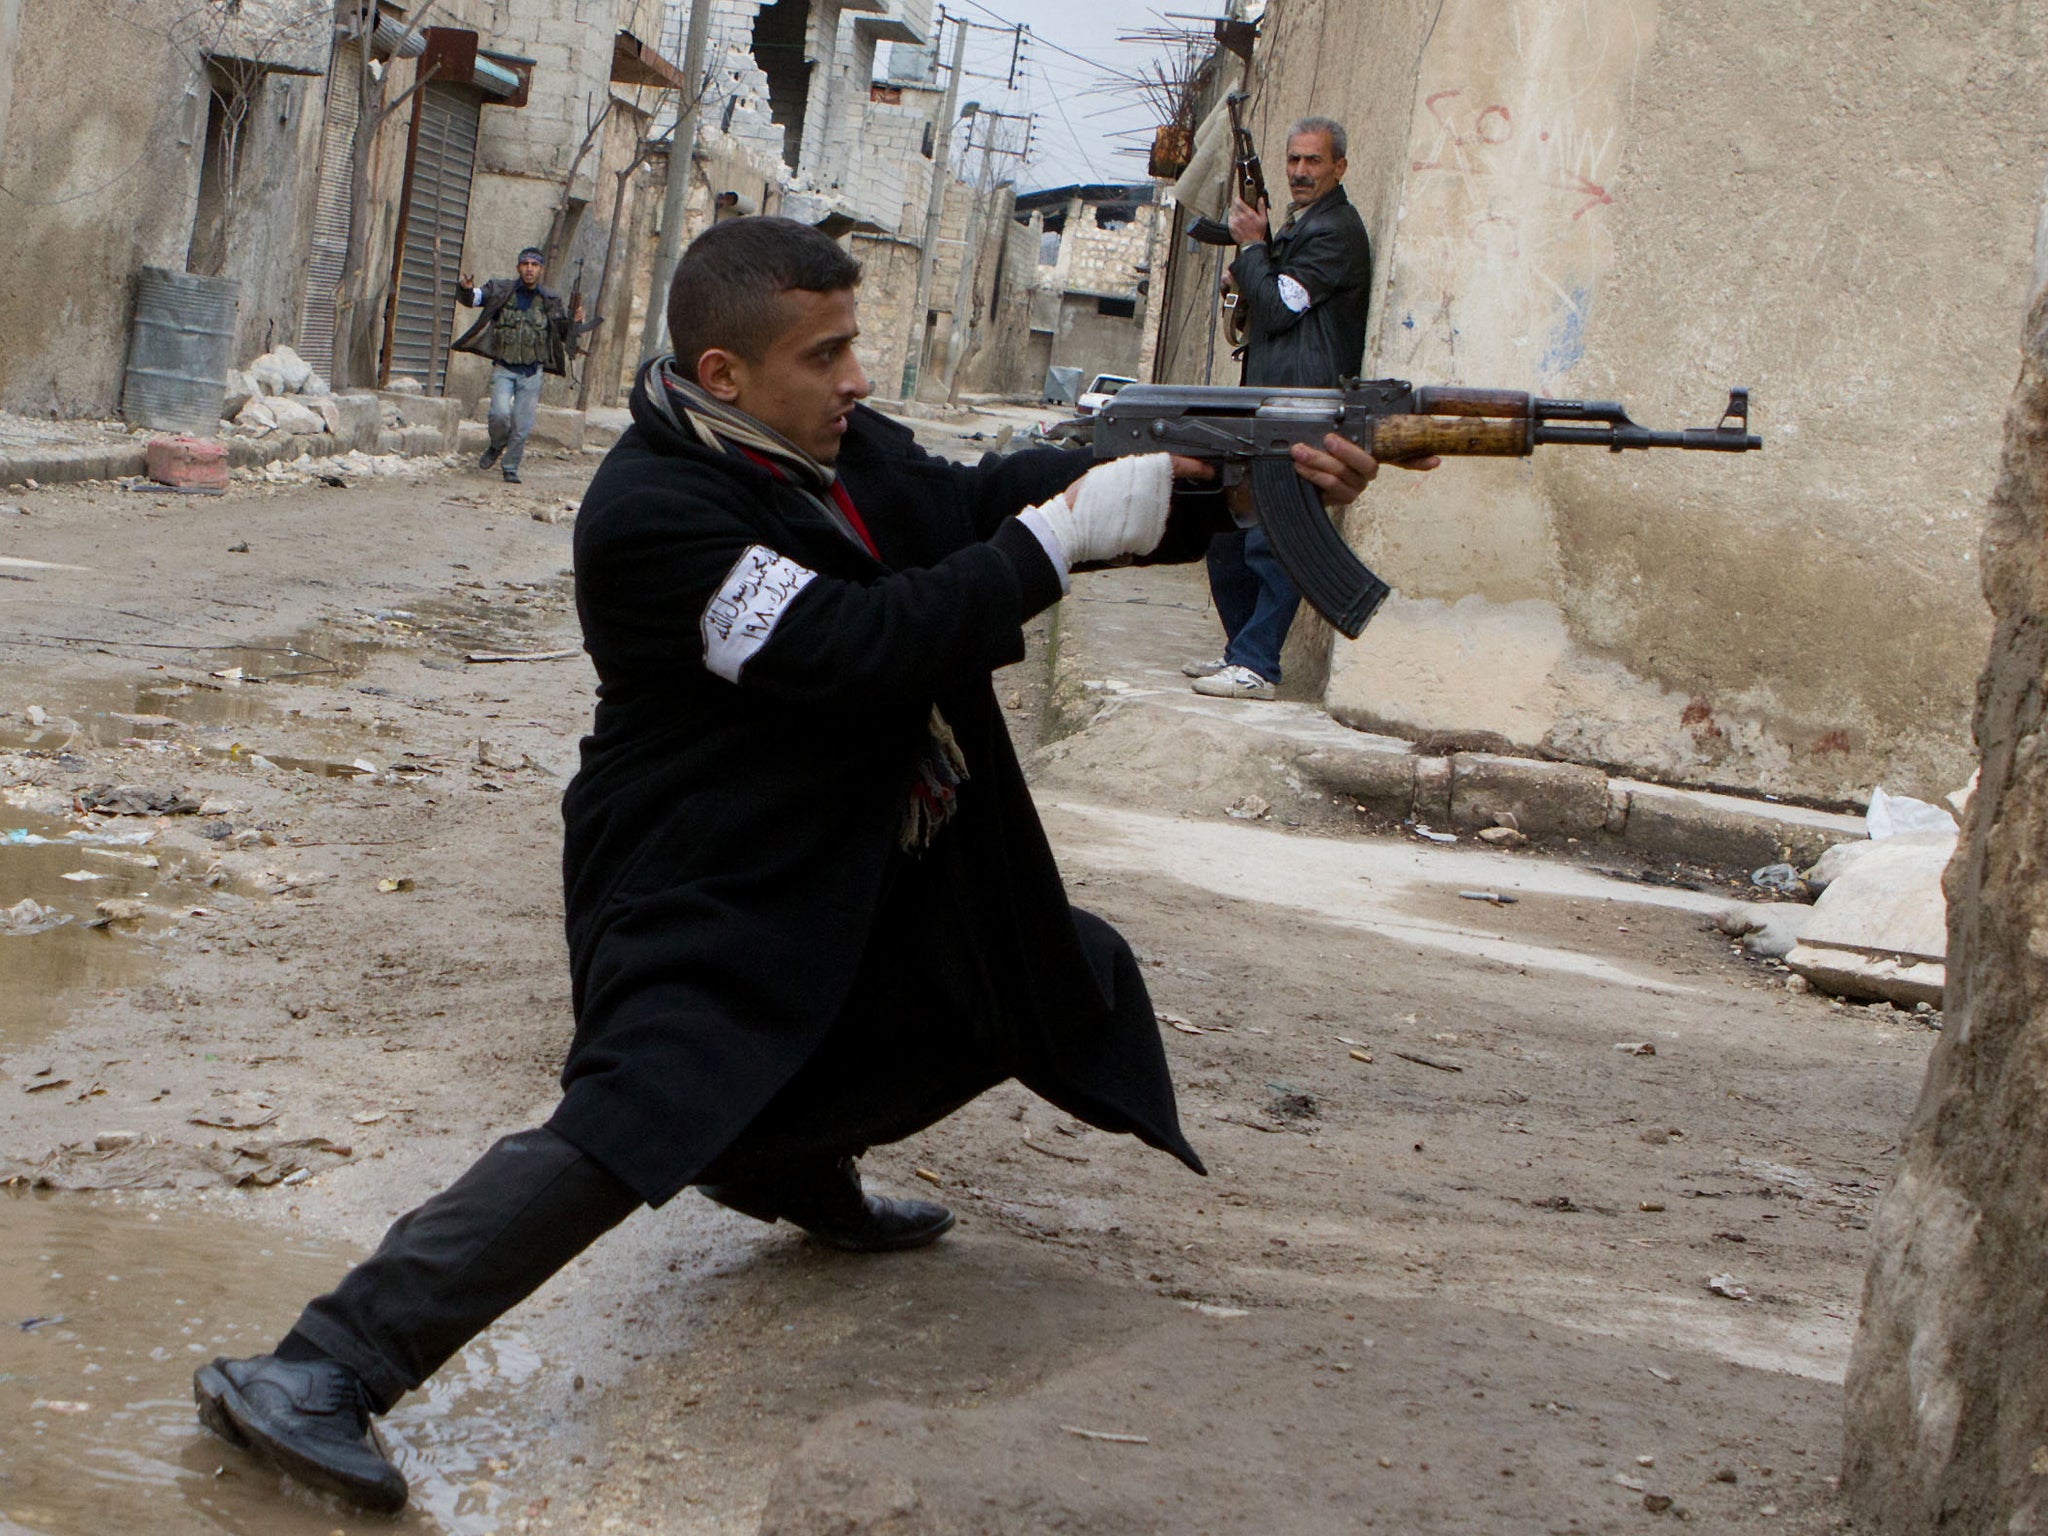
(1653, 200)
(539, 122)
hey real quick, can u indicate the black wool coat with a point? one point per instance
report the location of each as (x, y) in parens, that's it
(1327, 251)
(765, 692)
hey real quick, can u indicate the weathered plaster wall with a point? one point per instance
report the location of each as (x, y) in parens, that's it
(1947, 1394)
(1653, 200)
(272, 227)
(98, 177)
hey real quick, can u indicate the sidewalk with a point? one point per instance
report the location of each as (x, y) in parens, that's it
(1120, 705)
(53, 452)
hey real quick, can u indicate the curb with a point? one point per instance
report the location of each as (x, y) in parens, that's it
(1117, 698)
(59, 464)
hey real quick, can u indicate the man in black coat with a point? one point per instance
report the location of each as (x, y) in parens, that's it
(1305, 291)
(810, 906)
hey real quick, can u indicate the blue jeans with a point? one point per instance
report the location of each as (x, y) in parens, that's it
(1254, 599)
(515, 400)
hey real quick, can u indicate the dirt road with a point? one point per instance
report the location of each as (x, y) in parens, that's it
(1473, 1166)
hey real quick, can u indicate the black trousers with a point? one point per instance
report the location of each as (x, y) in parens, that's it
(898, 1060)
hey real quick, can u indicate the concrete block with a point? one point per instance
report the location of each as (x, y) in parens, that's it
(187, 463)
(1870, 978)
(1433, 790)
(429, 413)
(1383, 780)
(1888, 901)
(419, 440)
(1545, 799)
(473, 438)
(1720, 829)
(356, 420)
(556, 426)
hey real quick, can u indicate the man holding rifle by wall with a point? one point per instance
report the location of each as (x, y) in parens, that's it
(1304, 291)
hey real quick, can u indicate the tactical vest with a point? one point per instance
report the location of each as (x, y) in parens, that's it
(521, 335)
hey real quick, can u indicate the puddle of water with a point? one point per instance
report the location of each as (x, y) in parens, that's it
(122, 1301)
(43, 974)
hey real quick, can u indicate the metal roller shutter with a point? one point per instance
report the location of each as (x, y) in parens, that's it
(436, 220)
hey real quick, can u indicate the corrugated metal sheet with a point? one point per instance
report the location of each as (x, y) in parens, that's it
(179, 350)
(331, 216)
(436, 218)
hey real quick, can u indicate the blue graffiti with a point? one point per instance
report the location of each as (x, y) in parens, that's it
(1567, 346)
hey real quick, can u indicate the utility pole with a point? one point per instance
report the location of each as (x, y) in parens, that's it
(942, 153)
(682, 148)
(966, 319)
(964, 295)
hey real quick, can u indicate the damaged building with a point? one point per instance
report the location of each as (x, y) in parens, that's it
(320, 174)
(1653, 201)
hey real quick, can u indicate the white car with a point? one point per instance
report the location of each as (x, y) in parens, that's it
(1100, 388)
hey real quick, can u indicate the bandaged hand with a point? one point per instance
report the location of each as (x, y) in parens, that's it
(1117, 508)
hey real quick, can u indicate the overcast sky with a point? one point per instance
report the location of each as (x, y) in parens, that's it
(1068, 79)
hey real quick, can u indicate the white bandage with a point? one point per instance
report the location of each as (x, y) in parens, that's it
(1293, 295)
(1119, 509)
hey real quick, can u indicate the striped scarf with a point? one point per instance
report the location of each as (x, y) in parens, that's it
(686, 406)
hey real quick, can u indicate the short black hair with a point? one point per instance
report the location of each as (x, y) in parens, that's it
(729, 284)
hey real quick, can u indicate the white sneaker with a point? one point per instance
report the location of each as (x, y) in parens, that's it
(1203, 668)
(1234, 683)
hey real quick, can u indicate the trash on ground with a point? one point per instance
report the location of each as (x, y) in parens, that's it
(1728, 1286)
(490, 656)
(1891, 815)
(1249, 808)
(136, 800)
(1421, 830)
(1428, 1061)
(1635, 1048)
(1498, 898)
(1111, 1436)
(1782, 878)
(29, 916)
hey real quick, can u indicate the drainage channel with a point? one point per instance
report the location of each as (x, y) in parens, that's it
(109, 1305)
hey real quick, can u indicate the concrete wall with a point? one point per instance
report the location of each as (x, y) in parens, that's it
(101, 166)
(1946, 1402)
(1653, 200)
(272, 227)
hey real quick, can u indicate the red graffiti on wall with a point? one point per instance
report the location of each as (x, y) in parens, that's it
(1490, 125)
(1595, 195)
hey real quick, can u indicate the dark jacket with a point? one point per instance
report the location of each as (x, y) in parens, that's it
(727, 843)
(1328, 253)
(497, 294)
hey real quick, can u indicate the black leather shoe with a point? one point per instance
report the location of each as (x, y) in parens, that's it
(311, 1418)
(834, 1210)
(490, 457)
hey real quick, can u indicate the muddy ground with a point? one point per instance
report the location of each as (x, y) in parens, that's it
(1449, 1273)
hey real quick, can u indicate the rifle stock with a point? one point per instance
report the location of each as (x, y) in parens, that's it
(1253, 431)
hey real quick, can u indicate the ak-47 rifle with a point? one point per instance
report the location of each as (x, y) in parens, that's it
(1251, 432)
(1247, 179)
(1248, 184)
(578, 329)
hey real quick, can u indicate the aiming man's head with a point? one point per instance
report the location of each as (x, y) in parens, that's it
(1315, 158)
(761, 314)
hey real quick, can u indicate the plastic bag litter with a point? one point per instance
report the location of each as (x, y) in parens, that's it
(1890, 815)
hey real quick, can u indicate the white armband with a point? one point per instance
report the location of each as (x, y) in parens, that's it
(1293, 295)
(747, 606)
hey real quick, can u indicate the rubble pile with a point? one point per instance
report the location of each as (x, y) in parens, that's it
(279, 392)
